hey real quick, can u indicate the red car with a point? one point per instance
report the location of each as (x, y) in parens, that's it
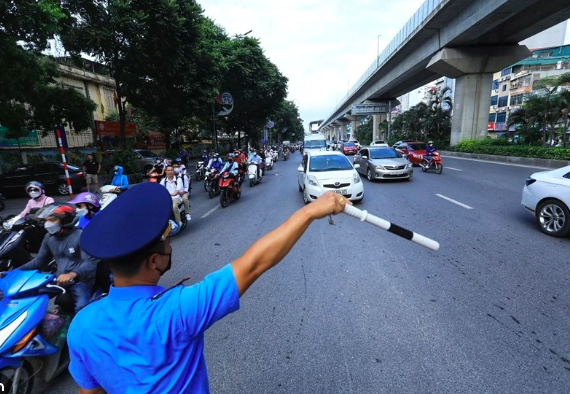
(413, 149)
(349, 148)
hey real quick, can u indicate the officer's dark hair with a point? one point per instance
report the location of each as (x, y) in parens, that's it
(130, 266)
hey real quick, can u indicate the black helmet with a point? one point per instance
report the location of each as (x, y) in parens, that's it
(64, 212)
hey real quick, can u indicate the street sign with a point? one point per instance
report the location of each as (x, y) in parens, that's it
(61, 140)
(368, 109)
(270, 125)
(226, 98)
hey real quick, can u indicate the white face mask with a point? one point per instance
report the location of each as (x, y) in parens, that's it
(177, 170)
(35, 194)
(52, 228)
(82, 211)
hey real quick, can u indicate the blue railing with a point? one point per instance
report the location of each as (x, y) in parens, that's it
(406, 32)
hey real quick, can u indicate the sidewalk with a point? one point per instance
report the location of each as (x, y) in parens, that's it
(525, 161)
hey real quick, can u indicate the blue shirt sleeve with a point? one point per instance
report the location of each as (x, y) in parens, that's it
(77, 368)
(207, 302)
(124, 182)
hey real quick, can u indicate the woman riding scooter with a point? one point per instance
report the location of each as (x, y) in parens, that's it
(38, 198)
(87, 207)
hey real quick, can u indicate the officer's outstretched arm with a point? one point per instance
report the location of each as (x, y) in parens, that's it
(269, 250)
(98, 390)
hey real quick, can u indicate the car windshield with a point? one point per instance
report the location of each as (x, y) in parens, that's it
(146, 153)
(384, 154)
(379, 142)
(329, 163)
(349, 144)
(315, 144)
(417, 146)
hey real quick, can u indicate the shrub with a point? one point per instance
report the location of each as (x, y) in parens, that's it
(498, 148)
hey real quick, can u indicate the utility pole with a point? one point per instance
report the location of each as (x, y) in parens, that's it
(389, 117)
(215, 135)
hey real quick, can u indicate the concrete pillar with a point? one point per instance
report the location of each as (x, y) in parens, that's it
(473, 68)
(375, 127)
(353, 126)
(343, 131)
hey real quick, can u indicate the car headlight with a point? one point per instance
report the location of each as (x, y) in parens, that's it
(312, 180)
(355, 177)
(380, 168)
(409, 165)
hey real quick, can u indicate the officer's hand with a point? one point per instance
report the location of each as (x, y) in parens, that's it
(64, 279)
(328, 204)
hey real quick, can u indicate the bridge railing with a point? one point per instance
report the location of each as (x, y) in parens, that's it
(423, 12)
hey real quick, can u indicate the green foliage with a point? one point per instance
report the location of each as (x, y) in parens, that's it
(287, 121)
(363, 133)
(127, 159)
(498, 147)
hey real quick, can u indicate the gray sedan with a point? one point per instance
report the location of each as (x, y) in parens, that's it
(383, 163)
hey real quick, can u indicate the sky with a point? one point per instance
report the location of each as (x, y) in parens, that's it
(322, 46)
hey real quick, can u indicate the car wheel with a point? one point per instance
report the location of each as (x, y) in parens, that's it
(300, 188)
(369, 175)
(305, 198)
(553, 218)
(63, 190)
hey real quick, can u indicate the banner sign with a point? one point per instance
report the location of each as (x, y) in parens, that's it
(368, 109)
(491, 126)
(113, 129)
(156, 139)
(32, 139)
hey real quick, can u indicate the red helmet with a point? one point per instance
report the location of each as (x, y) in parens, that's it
(64, 212)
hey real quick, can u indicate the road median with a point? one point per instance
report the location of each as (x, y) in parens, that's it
(525, 161)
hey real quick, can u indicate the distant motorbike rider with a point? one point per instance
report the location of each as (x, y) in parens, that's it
(215, 162)
(87, 207)
(38, 198)
(120, 180)
(255, 158)
(174, 186)
(62, 244)
(262, 155)
(430, 150)
(205, 156)
(156, 172)
(178, 172)
(232, 167)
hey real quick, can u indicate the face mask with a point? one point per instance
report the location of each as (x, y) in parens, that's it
(177, 170)
(52, 228)
(35, 194)
(116, 172)
(169, 263)
(82, 211)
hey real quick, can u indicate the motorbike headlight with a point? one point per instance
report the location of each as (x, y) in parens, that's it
(356, 177)
(312, 180)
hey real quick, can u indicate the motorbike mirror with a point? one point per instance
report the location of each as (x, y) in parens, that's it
(365, 157)
(357, 166)
(300, 169)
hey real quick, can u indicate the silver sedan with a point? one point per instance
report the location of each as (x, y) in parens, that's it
(383, 163)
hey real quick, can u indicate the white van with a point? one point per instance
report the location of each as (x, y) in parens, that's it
(315, 142)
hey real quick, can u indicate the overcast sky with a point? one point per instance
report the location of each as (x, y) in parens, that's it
(322, 46)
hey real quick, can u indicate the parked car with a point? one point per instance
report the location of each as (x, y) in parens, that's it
(413, 150)
(51, 174)
(349, 148)
(145, 158)
(383, 163)
(379, 143)
(329, 171)
(546, 195)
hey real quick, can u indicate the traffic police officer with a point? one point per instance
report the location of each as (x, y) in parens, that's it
(141, 338)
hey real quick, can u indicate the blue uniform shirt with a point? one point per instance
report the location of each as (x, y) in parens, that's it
(128, 343)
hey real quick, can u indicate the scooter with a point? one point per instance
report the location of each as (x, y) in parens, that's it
(19, 237)
(2, 203)
(275, 155)
(183, 221)
(200, 171)
(32, 341)
(269, 162)
(109, 195)
(285, 155)
(434, 165)
(229, 189)
(252, 174)
(211, 184)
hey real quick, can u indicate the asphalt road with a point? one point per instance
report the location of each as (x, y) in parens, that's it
(354, 309)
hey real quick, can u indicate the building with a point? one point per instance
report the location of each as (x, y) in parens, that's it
(511, 84)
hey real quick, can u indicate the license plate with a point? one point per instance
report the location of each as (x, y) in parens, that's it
(342, 191)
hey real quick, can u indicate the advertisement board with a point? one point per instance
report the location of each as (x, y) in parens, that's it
(32, 139)
(113, 129)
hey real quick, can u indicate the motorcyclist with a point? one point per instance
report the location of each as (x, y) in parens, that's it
(87, 207)
(262, 155)
(215, 162)
(430, 150)
(75, 268)
(178, 163)
(185, 188)
(156, 172)
(120, 180)
(205, 156)
(255, 158)
(174, 186)
(38, 198)
(232, 167)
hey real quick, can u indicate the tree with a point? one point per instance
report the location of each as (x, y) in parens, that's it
(30, 97)
(158, 52)
(438, 120)
(525, 122)
(364, 131)
(287, 121)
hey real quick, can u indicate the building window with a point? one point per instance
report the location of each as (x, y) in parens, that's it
(492, 117)
(504, 87)
(496, 84)
(501, 117)
(494, 100)
(505, 72)
(503, 101)
(517, 99)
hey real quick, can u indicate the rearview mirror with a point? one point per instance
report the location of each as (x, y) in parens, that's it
(357, 165)
(365, 157)
(300, 169)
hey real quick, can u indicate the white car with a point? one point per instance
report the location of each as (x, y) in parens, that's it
(379, 143)
(329, 171)
(547, 196)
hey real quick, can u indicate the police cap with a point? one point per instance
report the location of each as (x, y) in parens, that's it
(133, 222)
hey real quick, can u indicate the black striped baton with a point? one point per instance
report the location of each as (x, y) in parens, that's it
(364, 216)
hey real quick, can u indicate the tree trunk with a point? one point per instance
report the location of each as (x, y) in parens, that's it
(121, 108)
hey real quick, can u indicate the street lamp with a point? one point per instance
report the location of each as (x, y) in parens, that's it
(243, 35)
(378, 50)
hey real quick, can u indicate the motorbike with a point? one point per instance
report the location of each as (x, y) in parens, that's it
(18, 238)
(252, 174)
(109, 195)
(275, 156)
(434, 165)
(33, 343)
(183, 221)
(229, 189)
(285, 155)
(269, 162)
(211, 183)
(200, 171)
(2, 203)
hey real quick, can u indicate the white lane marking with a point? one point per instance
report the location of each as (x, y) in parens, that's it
(454, 169)
(496, 162)
(455, 202)
(209, 212)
